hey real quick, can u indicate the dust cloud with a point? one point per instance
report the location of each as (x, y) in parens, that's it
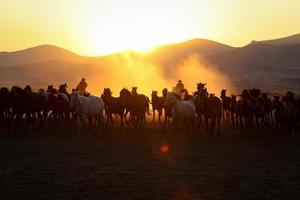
(130, 69)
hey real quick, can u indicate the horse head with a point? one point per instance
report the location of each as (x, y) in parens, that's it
(63, 88)
(200, 86)
(165, 92)
(154, 93)
(28, 89)
(107, 92)
(223, 93)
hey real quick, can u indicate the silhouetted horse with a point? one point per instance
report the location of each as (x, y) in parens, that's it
(267, 103)
(59, 105)
(167, 108)
(63, 89)
(232, 109)
(211, 108)
(22, 104)
(157, 104)
(5, 105)
(225, 104)
(137, 105)
(243, 110)
(278, 112)
(113, 105)
(257, 108)
(290, 113)
(40, 104)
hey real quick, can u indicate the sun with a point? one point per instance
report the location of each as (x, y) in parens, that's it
(136, 25)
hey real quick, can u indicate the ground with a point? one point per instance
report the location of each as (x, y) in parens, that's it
(148, 164)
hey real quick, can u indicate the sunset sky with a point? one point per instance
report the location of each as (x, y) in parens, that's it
(97, 27)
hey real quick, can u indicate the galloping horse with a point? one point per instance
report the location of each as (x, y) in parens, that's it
(113, 105)
(90, 107)
(183, 111)
(157, 104)
(137, 105)
(211, 108)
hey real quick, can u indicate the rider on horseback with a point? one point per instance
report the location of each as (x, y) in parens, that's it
(134, 91)
(81, 87)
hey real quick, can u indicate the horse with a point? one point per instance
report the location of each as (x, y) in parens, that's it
(257, 108)
(225, 104)
(278, 107)
(137, 105)
(87, 108)
(157, 104)
(59, 104)
(113, 105)
(211, 108)
(267, 104)
(231, 109)
(63, 89)
(183, 111)
(5, 105)
(167, 108)
(243, 110)
(290, 113)
(22, 104)
(40, 104)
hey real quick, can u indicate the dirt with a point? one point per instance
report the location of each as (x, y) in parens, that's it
(55, 163)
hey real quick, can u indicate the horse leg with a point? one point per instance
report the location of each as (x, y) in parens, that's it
(218, 125)
(213, 125)
(232, 118)
(153, 115)
(206, 124)
(159, 115)
(121, 116)
(165, 120)
(125, 116)
(257, 123)
(271, 119)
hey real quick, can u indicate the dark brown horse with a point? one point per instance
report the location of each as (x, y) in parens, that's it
(113, 105)
(5, 105)
(59, 105)
(267, 103)
(137, 105)
(226, 100)
(167, 109)
(157, 104)
(211, 108)
(257, 108)
(22, 104)
(243, 110)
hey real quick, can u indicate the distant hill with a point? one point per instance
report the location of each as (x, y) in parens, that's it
(169, 55)
(293, 39)
(38, 54)
(272, 67)
(272, 64)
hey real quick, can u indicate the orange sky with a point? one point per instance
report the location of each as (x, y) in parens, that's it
(97, 27)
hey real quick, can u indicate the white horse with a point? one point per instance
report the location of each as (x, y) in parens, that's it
(184, 111)
(90, 107)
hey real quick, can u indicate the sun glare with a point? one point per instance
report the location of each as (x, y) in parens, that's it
(132, 26)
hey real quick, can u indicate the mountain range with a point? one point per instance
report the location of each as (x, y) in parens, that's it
(273, 65)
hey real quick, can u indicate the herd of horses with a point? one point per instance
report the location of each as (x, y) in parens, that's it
(21, 108)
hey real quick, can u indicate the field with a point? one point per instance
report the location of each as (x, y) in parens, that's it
(150, 163)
